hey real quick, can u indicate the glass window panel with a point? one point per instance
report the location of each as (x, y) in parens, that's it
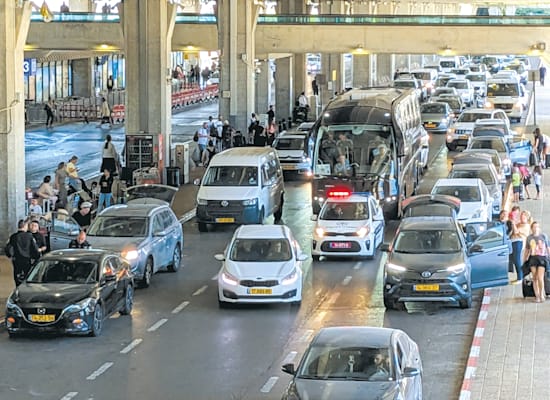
(38, 85)
(59, 79)
(51, 86)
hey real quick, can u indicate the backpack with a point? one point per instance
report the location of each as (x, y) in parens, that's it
(213, 131)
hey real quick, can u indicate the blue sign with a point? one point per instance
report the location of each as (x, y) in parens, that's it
(29, 66)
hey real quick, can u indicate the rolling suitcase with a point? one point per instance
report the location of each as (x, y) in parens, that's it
(527, 286)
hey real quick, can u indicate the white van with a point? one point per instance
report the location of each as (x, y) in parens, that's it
(242, 185)
(428, 77)
(507, 94)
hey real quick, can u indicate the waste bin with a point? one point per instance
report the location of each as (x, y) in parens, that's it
(173, 176)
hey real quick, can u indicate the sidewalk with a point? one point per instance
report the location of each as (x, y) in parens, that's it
(509, 357)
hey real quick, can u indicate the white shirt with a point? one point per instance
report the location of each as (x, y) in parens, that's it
(302, 100)
(35, 209)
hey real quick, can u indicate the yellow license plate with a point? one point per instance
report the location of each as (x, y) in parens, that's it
(430, 125)
(225, 220)
(463, 137)
(41, 318)
(426, 288)
(260, 291)
(288, 166)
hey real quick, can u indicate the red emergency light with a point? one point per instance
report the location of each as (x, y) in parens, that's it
(339, 192)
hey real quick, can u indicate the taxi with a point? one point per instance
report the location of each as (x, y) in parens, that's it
(349, 224)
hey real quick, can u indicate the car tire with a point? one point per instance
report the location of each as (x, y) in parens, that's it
(203, 227)
(451, 146)
(147, 273)
(261, 217)
(279, 213)
(97, 322)
(176, 259)
(12, 335)
(315, 257)
(296, 304)
(128, 301)
(466, 303)
(224, 304)
(391, 304)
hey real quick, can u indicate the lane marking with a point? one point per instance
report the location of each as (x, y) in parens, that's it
(99, 371)
(200, 290)
(157, 325)
(215, 277)
(321, 316)
(357, 265)
(346, 280)
(305, 337)
(131, 346)
(333, 298)
(189, 215)
(290, 357)
(269, 384)
(69, 396)
(180, 307)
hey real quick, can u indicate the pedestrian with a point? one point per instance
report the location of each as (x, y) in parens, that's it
(198, 75)
(47, 192)
(60, 185)
(537, 180)
(22, 249)
(260, 138)
(49, 107)
(227, 135)
(109, 157)
(539, 147)
(525, 179)
(516, 183)
(106, 117)
(208, 153)
(270, 115)
(536, 254)
(83, 217)
(203, 134)
(80, 241)
(39, 239)
(302, 100)
(72, 174)
(105, 190)
(219, 130)
(64, 8)
(118, 188)
(542, 74)
(515, 235)
(315, 87)
(396, 74)
(110, 83)
(251, 127)
(35, 208)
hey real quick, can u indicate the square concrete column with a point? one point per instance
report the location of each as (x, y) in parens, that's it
(263, 75)
(362, 70)
(384, 68)
(83, 77)
(284, 88)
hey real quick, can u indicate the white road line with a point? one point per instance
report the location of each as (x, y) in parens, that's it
(215, 277)
(305, 337)
(321, 316)
(99, 371)
(157, 325)
(189, 215)
(200, 290)
(180, 307)
(332, 299)
(357, 265)
(131, 346)
(346, 280)
(69, 396)
(290, 357)
(269, 384)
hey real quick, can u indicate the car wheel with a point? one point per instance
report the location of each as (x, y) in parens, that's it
(451, 146)
(262, 217)
(279, 213)
(12, 335)
(203, 227)
(389, 303)
(467, 302)
(296, 303)
(128, 301)
(315, 257)
(147, 273)
(176, 259)
(97, 323)
(224, 304)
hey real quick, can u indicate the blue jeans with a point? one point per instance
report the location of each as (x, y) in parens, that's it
(104, 198)
(517, 249)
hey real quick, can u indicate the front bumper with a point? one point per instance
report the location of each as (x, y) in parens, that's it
(260, 294)
(343, 246)
(71, 323)
(232, 214)
(448, 290)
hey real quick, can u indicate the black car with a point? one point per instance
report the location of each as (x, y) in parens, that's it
(71, 291)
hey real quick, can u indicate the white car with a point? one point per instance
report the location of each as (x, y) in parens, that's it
(476, 204)
(464, 88)
(261, 264)
(348, 225)
(460, 131)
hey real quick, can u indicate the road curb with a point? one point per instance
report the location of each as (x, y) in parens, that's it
(473, 358)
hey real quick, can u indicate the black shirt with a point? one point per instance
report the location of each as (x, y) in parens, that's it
(40, 239)
(82, 220)
(24, 245)
(105, 184)
(75, 245)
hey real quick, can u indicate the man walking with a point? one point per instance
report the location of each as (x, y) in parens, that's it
(22, 249)
(542, 74)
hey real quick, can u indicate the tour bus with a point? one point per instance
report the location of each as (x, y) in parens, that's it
(369, 141)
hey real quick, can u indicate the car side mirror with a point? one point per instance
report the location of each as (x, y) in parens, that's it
(314, 217)
(289, 369)
(219, 257)
(409, 372)
(476, 248)
(197, 182)
(302, 257)
(385, 247)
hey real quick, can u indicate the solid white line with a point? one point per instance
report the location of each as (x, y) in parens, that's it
(180, 307)
(157, 325)
(483, 315)
(131, 346)
(305, 337)
(470, 372)
(486, 300)
(346, 280)
(69, 396)
(474, 352)
(290, 357)
(99, 371)
(321, 316)
(333, 298)
(200, 290)
(357, 265)
(269, 384)
(465, 395)
(479, 332)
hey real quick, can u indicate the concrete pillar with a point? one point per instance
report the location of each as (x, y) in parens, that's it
(148, 27)
(263, 87)
(236, 28)
(384, 71)
(83, 77)
(362, 70)
(284, 88)
(14, 26)
(300, 75)
(331, 65)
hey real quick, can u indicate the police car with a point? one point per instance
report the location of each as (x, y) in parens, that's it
(348, 224)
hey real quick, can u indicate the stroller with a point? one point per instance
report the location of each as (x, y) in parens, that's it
(76, 197)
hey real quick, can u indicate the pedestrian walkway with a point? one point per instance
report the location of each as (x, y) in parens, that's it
(509, 358)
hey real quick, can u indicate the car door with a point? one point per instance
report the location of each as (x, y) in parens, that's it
(62, 231)
(121, 282)
(488, 249)
(520, 149)
(172, 230)
(108, 286)
(267, 189)
(158, 242)
(409, 358)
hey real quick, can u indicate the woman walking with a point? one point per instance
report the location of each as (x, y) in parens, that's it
(110, 156)
(60, 186)
(537, 178)
(105, 190)
(536, 255)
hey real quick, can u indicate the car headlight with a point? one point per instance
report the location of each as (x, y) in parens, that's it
(290, 278)
(12, 307)
(87, 305)
(457, 269)
(363, 231)
(518, 105)
(202, 202)
(395, 267)
(229, 279)
(319, 231)
(250, 202)
(130, 255)
(488, 104)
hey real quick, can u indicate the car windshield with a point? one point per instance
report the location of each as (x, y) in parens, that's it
(335, 211)
(290, 144)
(119, 226)
(64, 271)
(486, 143)
(328, 362)
(458, 85)
(488, 131)
(433, 109)
(476, 78)
(232, 175)
(404, 84)
(150, 191)
(454, 103)
(425, 210)
(427, 241)
(466, 194)
(260, 250)
(483, 174)
(494, 156)
(426, 76)
(447, 64)
(442, 90)
(471, 116)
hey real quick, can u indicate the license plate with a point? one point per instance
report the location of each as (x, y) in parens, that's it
(430, 125)
(426, 288)
(340, 245)
(225, 220)
(288, 166)
(41, 318)
(463, 137)
(260, 291)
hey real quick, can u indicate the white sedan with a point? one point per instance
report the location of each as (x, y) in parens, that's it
(348, 225)
(476, 203)
(261, 264)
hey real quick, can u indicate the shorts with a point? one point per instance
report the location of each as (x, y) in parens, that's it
(537, 261)
(517, 189)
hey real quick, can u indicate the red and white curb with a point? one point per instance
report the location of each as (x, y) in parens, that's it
(471, 365)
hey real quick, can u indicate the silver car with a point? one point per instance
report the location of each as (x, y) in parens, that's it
(355, 362)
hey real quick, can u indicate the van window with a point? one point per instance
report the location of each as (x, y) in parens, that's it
(503, 89)
(425, 76)
(269, 174)
(232, 175)
(448, 64)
